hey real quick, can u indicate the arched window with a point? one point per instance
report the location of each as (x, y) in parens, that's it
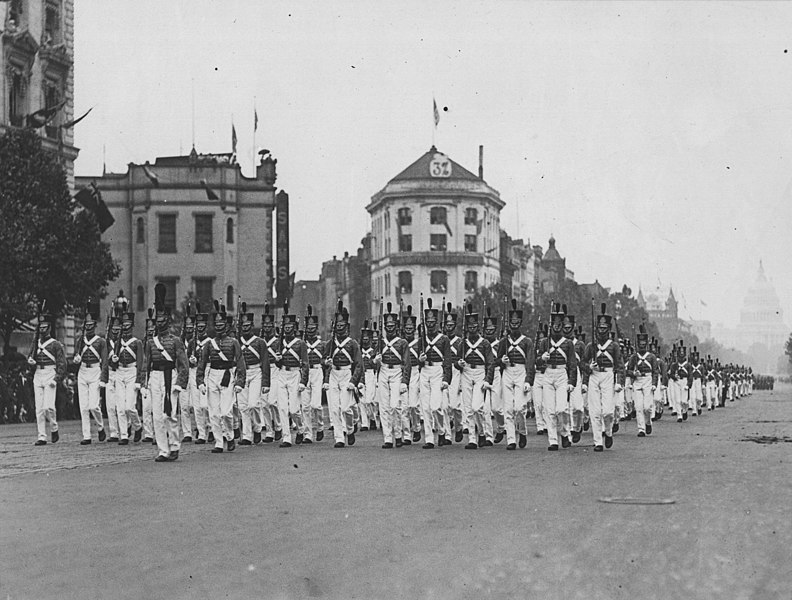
(230, 298)
(230, 231)
(141, 231)
(140, 299)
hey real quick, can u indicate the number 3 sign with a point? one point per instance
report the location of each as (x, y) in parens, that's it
(440, 166)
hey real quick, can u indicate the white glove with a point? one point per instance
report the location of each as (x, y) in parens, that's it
(378, 359)
(102, 384)
(193, 361)
(505, 360)
(278, 356)
(114, 358)
(402, 388)
(526, 387)
(422, 357)
(617, 388)
(570, 387)
(546, 356)
(462, 364)
(52, 384)
(77, 359)
(325, 386)
(444, 386)
(654, 387)
(31, 361)
(361, 387)
(301, 387)
(237, 389)
(350, 387)
(265, 390)
(663, 387)
(136, 386)
(486, 386)
(202, 388)
(584, 388)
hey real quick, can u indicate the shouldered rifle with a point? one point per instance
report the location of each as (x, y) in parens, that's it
(332, 342)
(401, 309)
(380, 341)
(504, 316)
(422, 327)
(37, 336)
(593, 334)
(466, 308)
(241, 308)
(442, 316)
(283, 321)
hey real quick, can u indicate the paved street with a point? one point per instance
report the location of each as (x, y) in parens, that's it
(106, 521)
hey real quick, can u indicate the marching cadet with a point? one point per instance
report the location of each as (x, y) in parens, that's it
(477, 365)
(124, 374)
(642, 367)
(292, 362)
(493, 401)
(581, 340)
(411, 415)
(311, 397)
(368, 410)
(454, 399)
(603, 375)
(435, 376)
(539, 381)
(145, 396)
(696, 382)
(199, 401)
(165, 353)
(394, 375)
(660, 400)
(223, 355)
(516, 355)
(343, 378)
(90, 358)
(558, 355)
(48, 359)
(257, 379)
(270, 413)
(107, 378)
(680, 376)
(711, 385)
(188, 411)
(620, 403)
(576, 408)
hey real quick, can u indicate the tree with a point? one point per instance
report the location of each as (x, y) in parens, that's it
(48, 248)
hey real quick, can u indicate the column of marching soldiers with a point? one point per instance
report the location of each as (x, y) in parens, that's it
(408, 379)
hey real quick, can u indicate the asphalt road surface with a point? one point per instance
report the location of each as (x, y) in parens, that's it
(105, 521)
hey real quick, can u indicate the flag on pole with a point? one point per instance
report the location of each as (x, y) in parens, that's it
(75, 121)
(91, 199)
(153, 177)
(43, 116)
(210, 193)
(233, 139)
(436, 113)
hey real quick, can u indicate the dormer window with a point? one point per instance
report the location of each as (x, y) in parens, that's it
(52, 23)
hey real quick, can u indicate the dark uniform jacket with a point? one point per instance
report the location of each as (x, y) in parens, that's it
(165, 353)
(562, 353)
(50, 352)
(478, 353)
(394, 352)
(130, 352)
(438, 352)
(603, 356)
(344, 353)
(294, 356)
(222, 353)
(254, 351)
(520, 351)
(644, 364)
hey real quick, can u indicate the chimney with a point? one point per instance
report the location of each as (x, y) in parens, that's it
(481, 162)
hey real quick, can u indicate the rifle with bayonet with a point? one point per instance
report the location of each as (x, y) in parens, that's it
(37, 336)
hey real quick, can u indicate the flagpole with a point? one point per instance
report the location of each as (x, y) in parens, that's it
(434, 119)
(255, 126)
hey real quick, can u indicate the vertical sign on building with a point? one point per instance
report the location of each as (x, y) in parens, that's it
(282, 246)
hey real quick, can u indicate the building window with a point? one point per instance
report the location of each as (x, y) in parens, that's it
(141, 231)
(388, 288)
(17, 91)
(470, 243)
(203, 233)
(15, 12)
(140, 299)
(405, 243)
(230, 231)
(438, 282)
(230, 298)
(167, 234)
(405, 282)
(471, 282)
(471, 216)
(52, 97)
(387, 219)
(204, 292)
(437, 215)
(170, 290)
(437, 242)
(405, 216)
(52, 23)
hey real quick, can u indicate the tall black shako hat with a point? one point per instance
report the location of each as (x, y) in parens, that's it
(409, 317)
(568, 320)
(91, 312)
(150, 320)
(219, 316)
(556, 314)
(604, 320)
(118, 313)
(490, 322)
(450, 316)
(643, 335)
(245, 316)
(470, 316)
(200, 317)
(45, 315)
(341, 313)
(310, 317)
(366, 327)
(430, 312)
(286, 317)
(389, 316)
(514, 312)
(159, 300)
(267, 317)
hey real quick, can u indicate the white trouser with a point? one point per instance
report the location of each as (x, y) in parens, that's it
(538, 400)
(166, 428)
(289, 401)
(111, 405)
(390, 402)
(643, 397)
(269, 411)
(496, 401)
(249, 402)
(411, 415)
(370, 396)
(125, 392)
(454, 402)
(44, 391)
(311, 402)
(432, 401)
(712, 394)
(556, 403)
(601, 402)
(576, 405)
(473, 401)
(88, 390)
(340, 401)
(696, 395)
(681, 394)
(515, 401)
(221, 405)
(188, 420)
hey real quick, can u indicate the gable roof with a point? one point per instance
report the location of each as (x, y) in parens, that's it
(420, 169)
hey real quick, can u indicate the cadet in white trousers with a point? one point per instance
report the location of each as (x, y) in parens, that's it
(292, 364)
(477, 365)
(198, 401)
(257, 379)
(493, 399)
(411, 409)
(644, 370)
(435, 361)
(90, 357)
(368, 401)
(516, 356)
(49, 360)
(392, 380)
(454, 398)
(311, 397)
(270, 415)
(126, 371)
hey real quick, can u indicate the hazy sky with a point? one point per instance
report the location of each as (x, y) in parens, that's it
(653, 140)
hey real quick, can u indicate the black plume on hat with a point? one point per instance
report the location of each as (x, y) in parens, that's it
(389, 307)
(514, 304)
(603, 308)
(309, 310)
(428, 303)
(449, 308)
(216, 306)
(244, 307)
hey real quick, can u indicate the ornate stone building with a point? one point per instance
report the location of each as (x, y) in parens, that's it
(663, 308)
(194, 223)
(435, 229)
(37, 58)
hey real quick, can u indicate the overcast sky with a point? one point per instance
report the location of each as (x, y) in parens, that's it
(653, 140)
